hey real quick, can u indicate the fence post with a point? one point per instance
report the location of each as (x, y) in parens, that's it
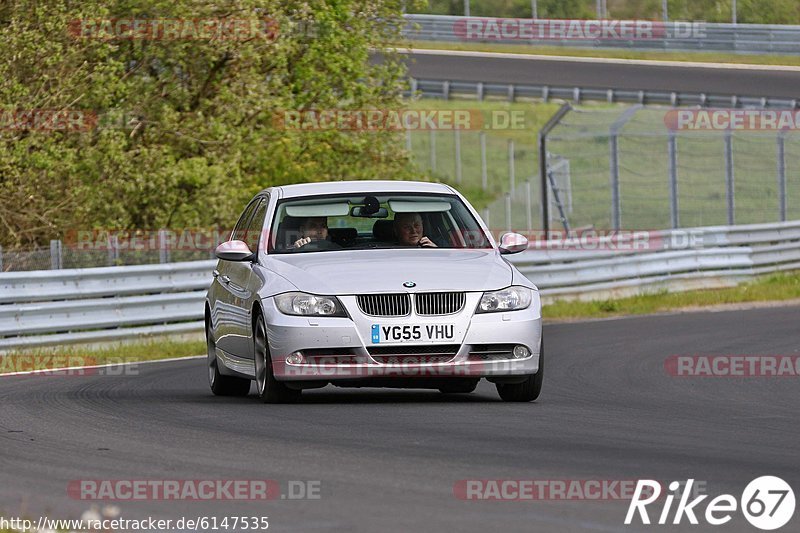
(457, 135)
(113, 250)
(616, 207)
(781, 140)
(486, 217)
(542, 141)
(508, 212)
(433, 150)
(672, 149)
(613, 142)
(1, 259)
(528, 212)
(484, 173)
(511, 169)
(729, 178)
(163, 251)
(56, 260)
(408, 141)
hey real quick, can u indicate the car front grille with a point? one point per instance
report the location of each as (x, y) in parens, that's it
(431, 353)
(439, 303)
(384, 304)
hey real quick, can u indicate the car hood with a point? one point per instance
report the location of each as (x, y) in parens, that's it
(375, 271)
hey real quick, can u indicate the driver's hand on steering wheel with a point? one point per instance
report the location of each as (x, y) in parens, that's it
(301, 242)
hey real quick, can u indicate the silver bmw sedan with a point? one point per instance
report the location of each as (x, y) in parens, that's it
(370, 284)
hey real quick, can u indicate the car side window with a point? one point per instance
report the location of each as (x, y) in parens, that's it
(253, 234)
(241, 225)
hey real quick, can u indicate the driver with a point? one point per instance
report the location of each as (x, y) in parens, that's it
(408, 230)
(313, 229)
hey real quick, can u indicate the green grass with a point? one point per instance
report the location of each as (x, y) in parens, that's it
(56, 357)
(773, 287)
(702, 57)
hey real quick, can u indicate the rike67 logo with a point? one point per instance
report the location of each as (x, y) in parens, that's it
(767, 503)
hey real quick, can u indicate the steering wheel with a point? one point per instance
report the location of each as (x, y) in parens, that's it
(318, 246)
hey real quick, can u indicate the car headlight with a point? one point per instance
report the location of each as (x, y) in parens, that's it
(303, 304)
(510, 299)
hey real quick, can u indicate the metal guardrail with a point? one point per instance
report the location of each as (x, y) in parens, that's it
(112, 303)
(447, 89)
(670, 36)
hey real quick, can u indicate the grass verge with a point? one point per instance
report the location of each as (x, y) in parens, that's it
(655, 55)
(60, 356)
(773, 287)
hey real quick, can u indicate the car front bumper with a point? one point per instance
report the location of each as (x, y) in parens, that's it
(347, 345)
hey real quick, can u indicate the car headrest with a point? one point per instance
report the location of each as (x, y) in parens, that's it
(383, 230)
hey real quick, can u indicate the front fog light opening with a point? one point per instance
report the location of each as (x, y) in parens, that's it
(521, 352)
(295, 359)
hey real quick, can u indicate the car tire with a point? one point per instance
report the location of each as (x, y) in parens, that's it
(528, 390)
(222, 385)
(460, 387)
(269, 389)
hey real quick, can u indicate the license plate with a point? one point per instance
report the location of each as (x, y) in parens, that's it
(413, 333)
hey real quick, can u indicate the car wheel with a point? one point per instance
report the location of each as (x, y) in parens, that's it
(268, 388)
(528, 390)
(460, 387)
(222, 385)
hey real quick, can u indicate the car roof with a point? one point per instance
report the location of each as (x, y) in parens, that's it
(360, 186)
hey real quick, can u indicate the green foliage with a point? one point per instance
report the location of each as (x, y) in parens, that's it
(188, 131)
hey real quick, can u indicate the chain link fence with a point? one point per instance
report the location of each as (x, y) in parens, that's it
(616, 166)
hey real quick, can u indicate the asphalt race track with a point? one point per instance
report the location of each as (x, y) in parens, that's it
(577, 72)
(388, 460)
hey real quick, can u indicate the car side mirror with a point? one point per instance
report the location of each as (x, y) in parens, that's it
(234, 251)
(512, 243)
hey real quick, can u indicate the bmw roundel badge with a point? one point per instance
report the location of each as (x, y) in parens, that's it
(409, 284)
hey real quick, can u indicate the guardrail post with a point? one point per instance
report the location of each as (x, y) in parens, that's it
(729, 183)
(781, 141)
(457, 142)
(672, 150)
(511, 92)
(163, 250)
(433, 150)
(479, 90)
(56, 259)
(484, 173)
(413, 87)
(446, 90)
(511, 167)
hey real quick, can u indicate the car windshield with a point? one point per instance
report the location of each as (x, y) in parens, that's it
(370, 221)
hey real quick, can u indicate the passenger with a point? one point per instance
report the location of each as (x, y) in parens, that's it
(314, 229)
(409, 231)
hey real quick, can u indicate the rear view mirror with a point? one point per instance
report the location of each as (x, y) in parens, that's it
(512, 243)
(234, 251)
(363, 212)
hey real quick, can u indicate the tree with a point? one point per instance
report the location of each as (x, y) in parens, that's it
(185, 130)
